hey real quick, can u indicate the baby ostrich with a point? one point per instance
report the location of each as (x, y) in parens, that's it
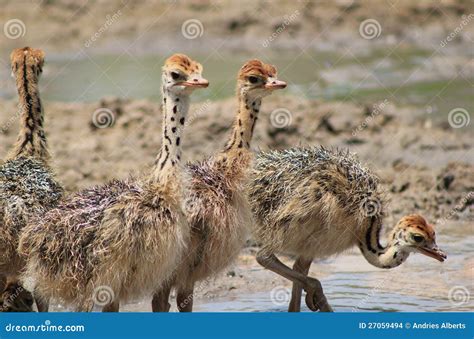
(27, 183)
(313, 203)
(217, 208)
(120, 240)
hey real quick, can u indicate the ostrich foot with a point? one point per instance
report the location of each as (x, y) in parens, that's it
(160, 301)
(315, 298)
(41, 304)
(112, 307)
(185, 298)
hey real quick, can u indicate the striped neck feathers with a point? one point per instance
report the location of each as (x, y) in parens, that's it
(389, 256)
(31, 141)
(175, 108)
(244, 124)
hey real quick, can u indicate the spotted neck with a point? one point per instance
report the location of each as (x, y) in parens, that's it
(175, 109)
(31, 141)
(244, 123)
(389, 256)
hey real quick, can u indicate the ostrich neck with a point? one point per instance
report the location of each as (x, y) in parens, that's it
(31, 139)
(389, 256)
(244, 123)
(175, 109)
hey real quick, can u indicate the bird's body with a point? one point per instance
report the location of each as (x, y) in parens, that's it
(27, 188)
(126, 237)
(220, 215)
(310, 201)
(27, 183)
(121, 235)
(314, 203)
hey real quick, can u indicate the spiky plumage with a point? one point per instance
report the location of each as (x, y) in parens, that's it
(305, 199)
(219, 213)
(27, 187)
(124, 235)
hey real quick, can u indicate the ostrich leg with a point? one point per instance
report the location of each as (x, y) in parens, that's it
(160, 302)
(184, 299)
(112, 307)
(3, 283)
(42, 304)
(315, 298)
(301, 265)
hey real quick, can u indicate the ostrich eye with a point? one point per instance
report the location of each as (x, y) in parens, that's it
(175, 75)
(417, 238)
(253, 80)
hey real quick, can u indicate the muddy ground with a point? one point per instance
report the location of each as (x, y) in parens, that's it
(144, 26)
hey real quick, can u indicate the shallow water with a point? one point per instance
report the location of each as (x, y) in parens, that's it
(421, 284)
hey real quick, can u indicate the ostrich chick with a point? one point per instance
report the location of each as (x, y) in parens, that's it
(121, 240)
(27, 183)
(217, 207)
(314, 203)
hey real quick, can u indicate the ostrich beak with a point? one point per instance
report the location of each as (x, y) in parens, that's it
(273, 83)
(434, 252)
(196, 82)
